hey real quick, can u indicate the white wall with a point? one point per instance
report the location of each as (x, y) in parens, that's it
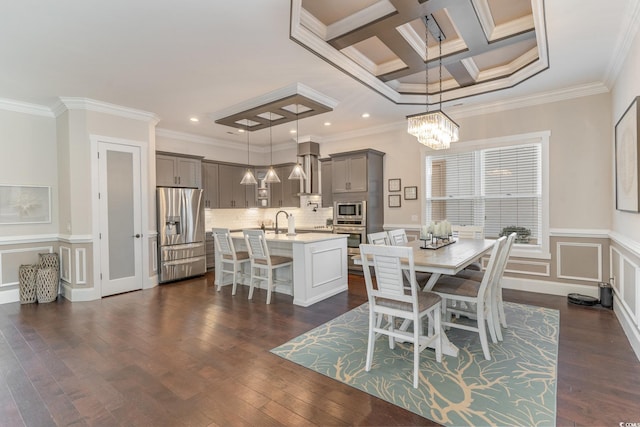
(580, 158)
(626, 88)
(29, 157)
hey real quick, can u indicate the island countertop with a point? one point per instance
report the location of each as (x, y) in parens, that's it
(270, 236)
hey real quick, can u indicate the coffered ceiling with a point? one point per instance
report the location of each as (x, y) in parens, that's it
(198, 58)
(483, 45)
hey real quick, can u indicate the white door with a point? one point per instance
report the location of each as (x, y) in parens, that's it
(120, 218)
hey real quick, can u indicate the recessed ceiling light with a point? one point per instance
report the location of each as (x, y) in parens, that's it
(194, 119)
(241, 130)
(365, 115)
(292, 131)
(327, 123)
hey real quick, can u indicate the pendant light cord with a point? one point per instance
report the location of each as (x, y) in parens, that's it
(426, 64)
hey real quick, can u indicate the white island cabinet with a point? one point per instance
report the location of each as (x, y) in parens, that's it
(319, 264)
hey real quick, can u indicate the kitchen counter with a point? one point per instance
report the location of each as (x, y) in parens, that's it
(319, 264)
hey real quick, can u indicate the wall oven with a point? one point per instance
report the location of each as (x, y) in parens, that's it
(350, 218)
(355, 236)
(352, 213)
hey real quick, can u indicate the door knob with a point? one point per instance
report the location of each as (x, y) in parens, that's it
(137, 236)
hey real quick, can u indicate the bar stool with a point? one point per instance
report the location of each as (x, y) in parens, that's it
(224, 245)
(261, 260)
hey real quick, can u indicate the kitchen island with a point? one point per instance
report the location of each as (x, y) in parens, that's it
(319, 264)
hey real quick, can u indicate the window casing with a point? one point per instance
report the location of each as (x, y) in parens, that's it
(495, 184)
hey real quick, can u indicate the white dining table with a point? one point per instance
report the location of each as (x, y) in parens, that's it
(449, 259)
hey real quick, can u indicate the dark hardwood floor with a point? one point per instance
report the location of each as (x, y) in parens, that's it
(184, 354)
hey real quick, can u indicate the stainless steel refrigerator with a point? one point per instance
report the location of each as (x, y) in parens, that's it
(181, 236)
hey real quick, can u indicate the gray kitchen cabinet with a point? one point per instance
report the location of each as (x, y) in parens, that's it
(232, 194)
(173, 170)
(210, 250)
(349, 172)
(285, 194)
(325, 183)
(210, 184)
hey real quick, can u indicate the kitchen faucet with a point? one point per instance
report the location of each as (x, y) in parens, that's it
(278, 213)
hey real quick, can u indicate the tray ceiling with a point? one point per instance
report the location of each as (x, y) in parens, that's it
(487, 45)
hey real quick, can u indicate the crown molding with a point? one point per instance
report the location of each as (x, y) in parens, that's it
(623, 44)
(486, 108)
(26, 108)
(73, 103)
(529, 101)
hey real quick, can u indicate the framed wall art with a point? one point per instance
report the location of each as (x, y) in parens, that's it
(394, 184)
(410, 193)
(394, 200)
(25, 204)
(627, 160)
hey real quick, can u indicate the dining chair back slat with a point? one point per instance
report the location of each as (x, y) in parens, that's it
(379, 238)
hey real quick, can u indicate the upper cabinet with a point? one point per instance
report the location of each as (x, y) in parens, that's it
(349, 173)
(286, 193)
(178, 171)
(210, 184)
(232, 194)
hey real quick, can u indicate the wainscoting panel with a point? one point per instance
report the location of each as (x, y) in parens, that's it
(65, 264)
(625, 277)
(81, 266)
(533, 268)
(11, 259)
(579, 261)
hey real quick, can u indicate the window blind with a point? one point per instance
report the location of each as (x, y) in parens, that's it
(494, 188)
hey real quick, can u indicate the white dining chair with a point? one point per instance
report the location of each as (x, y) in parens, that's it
(475, 295)
(379, 238)
(389, 299)
(231, 261)
(263, 265)
(500, 319)
(469, 232)
(398, 237)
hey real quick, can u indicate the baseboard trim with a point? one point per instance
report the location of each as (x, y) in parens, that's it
(80, 294)
(547, 287)
(9, 295)
(632, 332)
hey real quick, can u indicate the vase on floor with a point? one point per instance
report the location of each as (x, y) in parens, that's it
(27, 283)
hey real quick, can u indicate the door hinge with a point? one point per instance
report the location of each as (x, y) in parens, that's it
(98, 195)
(100, 276)
(98, 154)
(100, 236)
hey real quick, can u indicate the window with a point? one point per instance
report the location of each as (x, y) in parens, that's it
(493, 185)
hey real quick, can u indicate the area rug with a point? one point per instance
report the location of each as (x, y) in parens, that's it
(516, 387)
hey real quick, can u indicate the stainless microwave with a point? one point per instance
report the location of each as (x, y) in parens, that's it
(349, 212)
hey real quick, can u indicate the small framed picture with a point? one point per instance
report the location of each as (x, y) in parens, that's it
(394, 184)
(410, 193)
(394, 201)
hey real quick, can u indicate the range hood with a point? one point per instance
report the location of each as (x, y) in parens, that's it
(310, 151)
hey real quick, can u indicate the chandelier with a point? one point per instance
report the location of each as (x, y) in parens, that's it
(434, 129)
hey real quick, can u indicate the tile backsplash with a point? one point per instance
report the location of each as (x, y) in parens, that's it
(236, 219)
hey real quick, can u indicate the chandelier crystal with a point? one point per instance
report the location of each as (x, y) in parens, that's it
(434, 129)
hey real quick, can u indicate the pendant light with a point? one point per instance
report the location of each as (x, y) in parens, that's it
(298, 171)
(434, 129)
(272, 176)
(248, 178)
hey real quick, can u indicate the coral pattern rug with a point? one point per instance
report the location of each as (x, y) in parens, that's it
(516, 387)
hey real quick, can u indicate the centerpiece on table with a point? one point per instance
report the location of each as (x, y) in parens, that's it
(436, 235)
